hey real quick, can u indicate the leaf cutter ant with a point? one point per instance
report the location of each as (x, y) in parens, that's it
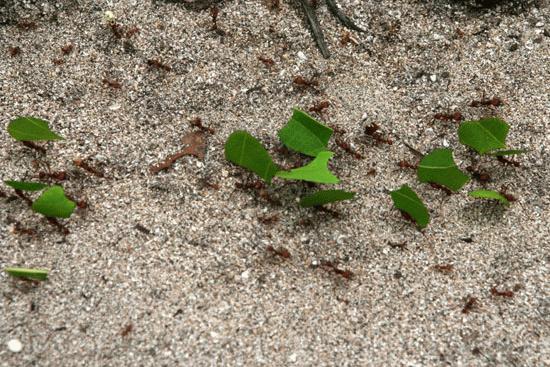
(197, 122)
(348, 149)
(454, 117)
(157, 64)
(280, 252)
(493, 102)
(266, 60)
(507, 294)
(305, 83)
(471, 303)
(329, 266)
(372, 131)
(14, 51)
(320, 107)
(444, 268)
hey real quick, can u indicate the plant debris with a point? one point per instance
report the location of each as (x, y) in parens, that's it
(195, 145)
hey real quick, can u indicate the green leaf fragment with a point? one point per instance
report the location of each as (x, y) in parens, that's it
(314, 171)
(304, 134)
(54, 203)
(439, 167)
(484, 135)
(325, 197)
(501, 153)
(26, 186)
(36, 274)
(406, 200)
(31, 129)
(246, 151)
(489, 194)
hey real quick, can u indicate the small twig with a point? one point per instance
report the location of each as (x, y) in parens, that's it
(345, 20)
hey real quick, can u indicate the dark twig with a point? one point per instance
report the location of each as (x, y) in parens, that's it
(315, 28)
(344, 19)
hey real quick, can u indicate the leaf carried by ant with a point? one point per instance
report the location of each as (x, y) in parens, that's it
(28, 128)
(246, 151)
(489, 194)
(325, 197)
(34, 274)
(502, 153)
(439, 167)
(315, 171)
(304, 134)
(406, 200)
(26, 186)
(484, 135)
(54, 203)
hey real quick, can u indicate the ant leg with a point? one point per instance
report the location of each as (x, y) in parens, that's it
(315, 28)
(344, 19)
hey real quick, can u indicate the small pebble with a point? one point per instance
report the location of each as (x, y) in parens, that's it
(15, 346)
(433, 77)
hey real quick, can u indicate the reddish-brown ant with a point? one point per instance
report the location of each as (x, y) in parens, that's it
(58, 61)
(269, 219)
(441, 187)
(67, 49)
(507, 161)
(508, 196)
(117, 30)
(26, 25)
(372, 131)
(495, 292)
(157, 64)
(444, 268)
(14, 51)
(494, 102)
(112, 83)
(348, 149)
(471, 303)
(320, 107)
(86, 167)
(32, 145)
(57, 175)
(19, 229)
(266, 60)
(406, 164)
(127, 330)
(371, 172)
(131, 32)
(303, 82)
(281, 252)
(274, 4)
(214, 13)
(479, 176)
(331, 267)
(3, 194)
(197, 122)
(455, 116)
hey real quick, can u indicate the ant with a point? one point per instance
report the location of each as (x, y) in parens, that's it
(57, 175)
(3, 194)
(197, 122)
(371, 172)
(30, 144)
(214, 12)
(266, 60)
(444, 268)
(455, 117)
(58, 61)
(157, 64)
(319, 107)
(441, 187)
(67, 49)
(117, 30)
(142, 229)
(112, 83)
(346, 38)
(406, 164)
(131, 32)
(348, 149)
(400, 246)
(303, 82)
(494, 102)
(507, 161)
(479, 176)
(274, 4)
(495, 292)
(407, 216)
(19, 229)
(86, 167)
(26, 25)
(269, 219)
(331, 267)
(127, 330)
(14, 51)
(281, 252)
(372, 130)
(508, 196)
(471, 303)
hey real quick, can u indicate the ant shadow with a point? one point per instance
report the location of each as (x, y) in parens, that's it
(483, 212)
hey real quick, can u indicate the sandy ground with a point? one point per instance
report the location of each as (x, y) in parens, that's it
(200, 288)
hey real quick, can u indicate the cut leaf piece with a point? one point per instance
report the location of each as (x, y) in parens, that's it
(304, 134)
(315, 171)
(325, 197)
(489, 194)
(484, 135)
(439, 167)
(26, 186)
(54, 203)
(406, 200)
(246, 151)
(501, 153)
(31, 129)
(36, 274)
